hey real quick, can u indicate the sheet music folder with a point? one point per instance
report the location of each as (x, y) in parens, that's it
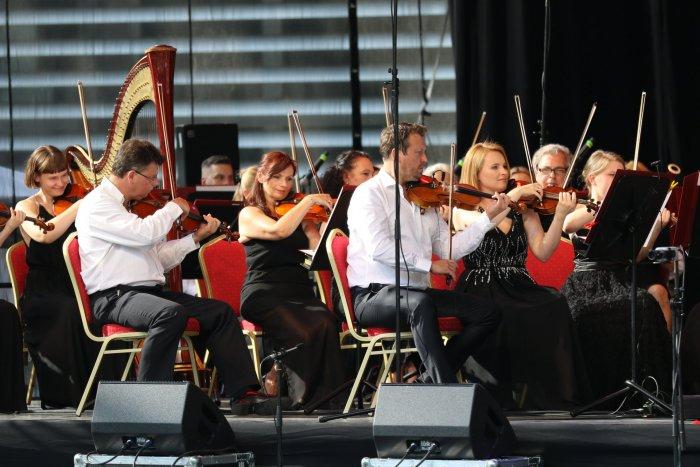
(318, 261)
(631, 206)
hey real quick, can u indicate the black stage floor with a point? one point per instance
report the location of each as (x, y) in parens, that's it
(51, 438)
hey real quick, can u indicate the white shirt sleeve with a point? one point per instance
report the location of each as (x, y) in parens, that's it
(171, 253)
(114, 224)
(463, 242)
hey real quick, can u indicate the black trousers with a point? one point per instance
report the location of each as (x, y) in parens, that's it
(164, 315)
(376, 307)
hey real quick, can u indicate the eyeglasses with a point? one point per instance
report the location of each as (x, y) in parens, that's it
(558, 172)
(153, 179)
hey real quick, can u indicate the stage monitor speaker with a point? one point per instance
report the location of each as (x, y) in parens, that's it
(197, 141)
(176, 417)
(463, 421)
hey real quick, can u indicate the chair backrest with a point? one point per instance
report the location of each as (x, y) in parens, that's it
(71, 254)
(337, 248)
(18, 269)
(555, 271)
(224, 269)
(324, 279)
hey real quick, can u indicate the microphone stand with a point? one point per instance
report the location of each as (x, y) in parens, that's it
(397, 191)
(279, 368)
(545, 61)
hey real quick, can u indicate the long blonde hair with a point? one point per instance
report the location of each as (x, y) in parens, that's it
(596, 164)
(474, 161)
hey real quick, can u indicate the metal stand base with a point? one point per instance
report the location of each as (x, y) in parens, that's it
(629, 386)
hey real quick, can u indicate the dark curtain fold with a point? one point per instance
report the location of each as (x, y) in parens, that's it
(601, 51)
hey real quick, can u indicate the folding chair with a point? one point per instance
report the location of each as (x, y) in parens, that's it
(224, 268)
(554, 272)
(18, 269)
(111, 332)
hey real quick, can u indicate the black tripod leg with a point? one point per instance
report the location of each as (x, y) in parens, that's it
(356, 413)
(636, 387)
(576, 413)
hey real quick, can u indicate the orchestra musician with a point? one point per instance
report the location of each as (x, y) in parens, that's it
(124, 259)
(12, 387)
(246, 185)
(535, 344)
(277, 293)
(217, 170)
(598, 293)
(520, 173)
(371, 261)
(550, 163)
(351, 167)
(53, 331)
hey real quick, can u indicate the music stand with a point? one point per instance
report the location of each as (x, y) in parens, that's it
(621, 225)
(337, 220)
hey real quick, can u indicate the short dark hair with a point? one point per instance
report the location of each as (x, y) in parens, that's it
(135, 154)
(216, 159)
(386, 138)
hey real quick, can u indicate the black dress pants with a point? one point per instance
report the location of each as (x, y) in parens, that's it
(376, 307)
(164, 315)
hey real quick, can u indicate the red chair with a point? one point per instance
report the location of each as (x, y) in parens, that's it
(554, 272)
(371, 339)
(18, 269)
(111, 332)
(224, 268)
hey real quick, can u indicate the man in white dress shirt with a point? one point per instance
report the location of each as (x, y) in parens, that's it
(371, 261)
(124, 259)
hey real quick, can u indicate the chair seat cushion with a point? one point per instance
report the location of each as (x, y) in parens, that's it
(111, 329)
(449, 324)
(248, 326)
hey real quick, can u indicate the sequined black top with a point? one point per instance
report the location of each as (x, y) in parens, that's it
(502, 254)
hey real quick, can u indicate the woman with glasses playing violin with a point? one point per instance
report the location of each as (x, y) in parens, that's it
(53, 330)
(278, 294)
(535, 350)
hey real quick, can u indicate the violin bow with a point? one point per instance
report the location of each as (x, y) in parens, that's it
(293, 149)
(580, 143)
(523, 135)
(453, 149)
(86, 128)
(305, 147)
(642, 104)
(478, 128)
(387, 105)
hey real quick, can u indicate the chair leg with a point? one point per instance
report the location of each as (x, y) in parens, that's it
(255, 354)
(32, 381)
(358, 378)
(212, 382)
(91, 380)
(130, 360)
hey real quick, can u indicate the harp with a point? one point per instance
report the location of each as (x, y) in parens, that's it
(140, 88)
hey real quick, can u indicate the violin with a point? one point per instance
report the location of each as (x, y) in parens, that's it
(38, 221)
(315, 213)
(72, 194)
(153, 202)
(550, 198)
(429, 192)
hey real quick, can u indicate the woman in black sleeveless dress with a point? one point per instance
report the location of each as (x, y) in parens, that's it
(53, 330)
(278, 294)
(598, 292)
(535, 350)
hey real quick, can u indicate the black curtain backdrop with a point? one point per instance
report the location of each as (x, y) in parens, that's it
(601, 51)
